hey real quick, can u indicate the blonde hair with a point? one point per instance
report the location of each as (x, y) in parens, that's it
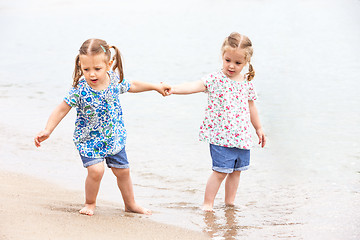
(93, 47)
(237, 40)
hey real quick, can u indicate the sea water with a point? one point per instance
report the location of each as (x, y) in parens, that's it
(305, 184)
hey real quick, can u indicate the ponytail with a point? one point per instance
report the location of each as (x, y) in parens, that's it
(77, 71)
(118, 63)
(251, 74)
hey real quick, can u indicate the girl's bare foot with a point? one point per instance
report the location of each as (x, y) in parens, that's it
(207, 208)
(138, 209)
(88, 209)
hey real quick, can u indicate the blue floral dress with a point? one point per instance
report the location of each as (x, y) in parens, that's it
(99, 127)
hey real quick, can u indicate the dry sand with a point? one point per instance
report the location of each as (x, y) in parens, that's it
(34, 209)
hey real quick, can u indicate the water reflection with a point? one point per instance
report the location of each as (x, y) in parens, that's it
(225, 223)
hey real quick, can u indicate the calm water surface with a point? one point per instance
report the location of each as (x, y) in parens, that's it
(305, 184)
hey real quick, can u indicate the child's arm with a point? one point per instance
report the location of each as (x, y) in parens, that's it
(188, 88)
(56, 116)
(138, 86)
(255, 120)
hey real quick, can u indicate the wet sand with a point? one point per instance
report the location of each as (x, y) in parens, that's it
(34, 209)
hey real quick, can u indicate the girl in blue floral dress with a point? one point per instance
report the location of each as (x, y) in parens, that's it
(99, 128)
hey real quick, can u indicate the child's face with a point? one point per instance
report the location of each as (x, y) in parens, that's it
(233, 62)
(94, 68)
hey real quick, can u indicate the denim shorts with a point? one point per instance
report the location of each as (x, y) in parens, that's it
(118, 160)
(227, 160)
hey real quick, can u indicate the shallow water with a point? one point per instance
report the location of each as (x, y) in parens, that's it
(305, 184)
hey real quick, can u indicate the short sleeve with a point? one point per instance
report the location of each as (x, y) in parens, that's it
(72, 98)
(207, 81)
(251, 92)
(124, 86)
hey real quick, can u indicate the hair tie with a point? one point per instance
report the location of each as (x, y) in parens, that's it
(103, 48)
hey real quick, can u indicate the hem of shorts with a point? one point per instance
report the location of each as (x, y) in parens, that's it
(229, 170)
(93, 162)
(222, 170)
(110, 165)
(242, 168)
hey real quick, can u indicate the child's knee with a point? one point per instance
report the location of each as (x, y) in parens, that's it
(221, 176)
(121, 173)
(96, 172)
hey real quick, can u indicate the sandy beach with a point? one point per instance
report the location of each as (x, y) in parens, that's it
(34, 209)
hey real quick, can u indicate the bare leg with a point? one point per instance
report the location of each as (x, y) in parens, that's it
(212, 187)
(231, 186)
(92, 185)
(126, 188)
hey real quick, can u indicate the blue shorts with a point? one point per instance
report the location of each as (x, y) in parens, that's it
(118, 160)
(227, 160)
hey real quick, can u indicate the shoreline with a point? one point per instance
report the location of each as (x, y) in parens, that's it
(35, 209)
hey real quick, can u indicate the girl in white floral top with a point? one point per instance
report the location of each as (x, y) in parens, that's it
(228, 115)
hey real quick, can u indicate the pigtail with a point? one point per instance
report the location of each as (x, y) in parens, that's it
(251, 74)
(118, 63)
(77, 71)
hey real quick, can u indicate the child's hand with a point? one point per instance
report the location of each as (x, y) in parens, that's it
(261, 136)
(164, 89)
(42, 136)
(171, 91)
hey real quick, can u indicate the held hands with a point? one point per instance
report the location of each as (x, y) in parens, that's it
(164, 89)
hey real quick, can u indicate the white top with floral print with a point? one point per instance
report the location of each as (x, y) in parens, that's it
(227, 115)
